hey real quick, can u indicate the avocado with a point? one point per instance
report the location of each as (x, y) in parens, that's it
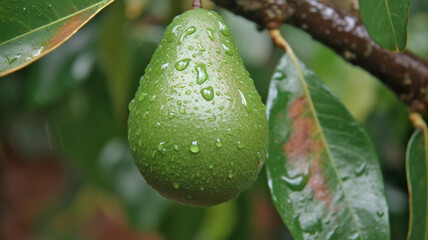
(197, 127)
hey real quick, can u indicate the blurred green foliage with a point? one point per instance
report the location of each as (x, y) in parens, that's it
(72, 106)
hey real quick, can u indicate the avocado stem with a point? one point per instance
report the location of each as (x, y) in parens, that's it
(196, 4)
(277, 39)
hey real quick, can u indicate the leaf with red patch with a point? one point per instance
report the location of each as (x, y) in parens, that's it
(323, 172)
(30, 29)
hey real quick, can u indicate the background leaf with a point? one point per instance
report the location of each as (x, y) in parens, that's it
(386, 21)
(33, 28)
(417, 181)
(323, 171)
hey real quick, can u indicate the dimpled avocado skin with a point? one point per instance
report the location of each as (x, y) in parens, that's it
(197, 128)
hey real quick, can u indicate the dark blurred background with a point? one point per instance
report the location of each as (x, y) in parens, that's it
(65, 167)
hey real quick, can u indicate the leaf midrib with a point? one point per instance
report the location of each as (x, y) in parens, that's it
(54, 22)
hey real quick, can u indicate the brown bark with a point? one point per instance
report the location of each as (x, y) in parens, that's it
(404, 73)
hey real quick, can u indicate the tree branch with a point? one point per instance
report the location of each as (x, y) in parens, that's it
(404, 73)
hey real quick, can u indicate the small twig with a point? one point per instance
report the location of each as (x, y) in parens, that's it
(277, 39)
(196, 4)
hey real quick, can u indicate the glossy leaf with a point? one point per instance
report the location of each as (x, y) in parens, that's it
(416, 170)
(33, 28)
(386, 22)
(323, 172)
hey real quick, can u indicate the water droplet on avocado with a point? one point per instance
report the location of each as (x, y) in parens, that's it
(244, 101)
(227, 49)
(131, 105)
(218, 143)
(201, 48)
(207, 93)
(171, 35)
(194, 147)
(171, 115)
(176, 148)
(230, 175)
(201, 73)
(182, 64)
(187, 32)
(188, 92)
(162, 68)
(176, 186)
(210, 33)
(212, 118)
(182, 110)
(161, 147)
(240, 145)
(223, 28)
(259, 155)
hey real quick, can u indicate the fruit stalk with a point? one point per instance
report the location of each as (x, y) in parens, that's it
(404, 73)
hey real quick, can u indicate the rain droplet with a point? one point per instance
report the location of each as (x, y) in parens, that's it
(230, 175)
(188, 92)
(173, 33)
(207, 93)
(244, 101)
(176, 186)
(162, 68)
(297, 182)
(152, 99)
(380, 213)
(309, 223)
(211, 119)
(194, 147)
(223, 28)
(171, 115)
(145, 114)
(360, 170)
(176, 148)
(182, 64)
(131, 105)
(201, 48)
(201, 73)
(161, 147)
(240, 145)
(211, 166)
(210, 33)
(187, 32)
(182, 110)
(227, 49)
(354, 236)
(218, 143)
(259, 155)
(279, 75)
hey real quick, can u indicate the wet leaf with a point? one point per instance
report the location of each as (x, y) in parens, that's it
(386, 22)
(33, 28)
(416, 170)
(323, 172)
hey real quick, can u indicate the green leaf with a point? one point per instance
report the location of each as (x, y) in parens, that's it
(416, 170)
(32, 28)
(323, 172)
(386, 22)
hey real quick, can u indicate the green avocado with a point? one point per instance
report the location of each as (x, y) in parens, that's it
(197, 128)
